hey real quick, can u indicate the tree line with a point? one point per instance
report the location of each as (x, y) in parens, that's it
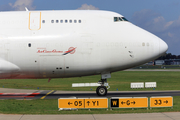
(168, 56)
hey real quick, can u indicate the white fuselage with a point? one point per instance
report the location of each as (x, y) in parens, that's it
(57, 44)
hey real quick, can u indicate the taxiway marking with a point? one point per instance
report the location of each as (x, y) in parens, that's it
(47, 94)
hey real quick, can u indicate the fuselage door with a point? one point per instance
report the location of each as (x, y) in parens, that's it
(35, 20)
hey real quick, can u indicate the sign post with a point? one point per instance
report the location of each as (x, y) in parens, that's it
(96, 103)
(70, 103)
(161, 102)
(129, 102)
(87, 103)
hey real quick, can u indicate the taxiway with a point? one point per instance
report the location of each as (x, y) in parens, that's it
(6, 93)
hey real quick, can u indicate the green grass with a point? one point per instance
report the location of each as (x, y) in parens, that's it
(51, 107)
(119, 80)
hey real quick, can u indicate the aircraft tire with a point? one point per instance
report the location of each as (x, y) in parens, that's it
(101, 90)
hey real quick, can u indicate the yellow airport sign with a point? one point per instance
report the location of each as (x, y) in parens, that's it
(136, 102)
(96, 103)
(83, 103)
(161, 101)
(70, 103)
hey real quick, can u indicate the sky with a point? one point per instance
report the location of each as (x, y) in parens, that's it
(160, 17)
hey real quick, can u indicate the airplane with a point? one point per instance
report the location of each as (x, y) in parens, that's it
(72, 43)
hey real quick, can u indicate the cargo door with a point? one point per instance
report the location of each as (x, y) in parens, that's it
(51, 66)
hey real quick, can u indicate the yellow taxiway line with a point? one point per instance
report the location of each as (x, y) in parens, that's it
(47, 94)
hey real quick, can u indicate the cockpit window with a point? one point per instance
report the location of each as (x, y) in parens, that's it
(124, 19)
(116, 19)
(120, 19)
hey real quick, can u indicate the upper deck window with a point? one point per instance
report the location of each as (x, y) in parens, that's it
(43, 21)
(116, 19)
(65, 21)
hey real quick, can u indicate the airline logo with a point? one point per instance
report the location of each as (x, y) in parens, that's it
(43, 50)
(71, 50)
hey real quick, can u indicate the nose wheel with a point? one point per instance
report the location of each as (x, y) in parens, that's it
(101, 90)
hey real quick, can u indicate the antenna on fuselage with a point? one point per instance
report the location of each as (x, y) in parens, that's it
(26, 9)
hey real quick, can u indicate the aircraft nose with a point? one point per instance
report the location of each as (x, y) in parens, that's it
(163, 47)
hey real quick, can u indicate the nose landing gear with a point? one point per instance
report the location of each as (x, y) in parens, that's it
(102, 84)
(102, 90)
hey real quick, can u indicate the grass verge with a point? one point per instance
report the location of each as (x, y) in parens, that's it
(51, 107)
(166, 80)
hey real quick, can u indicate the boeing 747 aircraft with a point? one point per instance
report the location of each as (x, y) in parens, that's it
(72, 43)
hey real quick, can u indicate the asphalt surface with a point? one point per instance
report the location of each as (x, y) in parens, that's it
(6, 93)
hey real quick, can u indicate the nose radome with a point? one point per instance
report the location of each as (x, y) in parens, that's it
(163, 47)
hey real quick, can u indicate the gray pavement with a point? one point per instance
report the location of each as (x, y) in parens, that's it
(52, 94)
(139, 116)
(9, 90)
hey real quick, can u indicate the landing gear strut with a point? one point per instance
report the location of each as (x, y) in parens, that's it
(102, 90)
(102, 84)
